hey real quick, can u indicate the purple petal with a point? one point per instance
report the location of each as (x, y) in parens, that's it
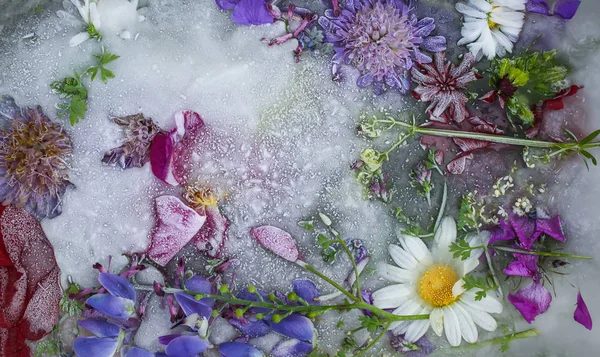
(551, 227)
(295, 326)
(502, 232)
(582, 315)
(525, 228)
(166, 339)
(277, 241)
(198, 284)
(292, 348)
(364, 80)
(95, 346)
(251, 327)
(190, 306)
(186, 346)
(138, 352)
(306, 289)
(236, 349)
(424, 27)
(117, 285)
(566, 8)
(531, 301)
(112, 306)
(226, 4)
(251, 12)
(161, 158)
(525, 265)
(434, 43)
(538, 6)
(100, 327)
(176, 225)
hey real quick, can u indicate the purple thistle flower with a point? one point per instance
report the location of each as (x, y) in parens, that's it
(33, 160)
(135, 151)
(380, 38)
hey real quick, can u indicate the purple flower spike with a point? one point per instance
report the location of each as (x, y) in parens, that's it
(186, 346)
(138, 352)
(95, 346)
(237, 349)
(551, 227)
(112, 306)
(582, 315)
(117, 286)
(251, 327)
(292, 348)
(295, 326)
(100, 327)
(307, 290)
(531, 301)
(192, 306)
(525, 265)
(252, 12)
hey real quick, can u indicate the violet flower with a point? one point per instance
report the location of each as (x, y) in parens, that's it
(106, 340)
(33, 160)
(527, 230)
(381, 39)
(581, 314)
(563, 8)
(247, 12)
(120, 300)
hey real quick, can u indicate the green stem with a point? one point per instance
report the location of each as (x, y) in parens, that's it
(331, 282)
(543, 254)
(493, 270)
(374, 342)
(509, 337)
(442, 208)
(354, 267)
(401, 140)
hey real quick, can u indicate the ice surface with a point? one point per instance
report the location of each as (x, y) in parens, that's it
(280, 140)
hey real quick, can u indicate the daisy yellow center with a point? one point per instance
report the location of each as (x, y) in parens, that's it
(491, 24)
(435, 285)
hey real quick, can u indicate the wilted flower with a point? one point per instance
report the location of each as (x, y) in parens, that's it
(33, 160)
(491, 26)
(441, 84)
(371, 159)
(135, 151)
(381, 38)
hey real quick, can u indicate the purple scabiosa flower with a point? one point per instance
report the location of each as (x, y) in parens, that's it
(380, 38)
(135, 151)
(33, 160)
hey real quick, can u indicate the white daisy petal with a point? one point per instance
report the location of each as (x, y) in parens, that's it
(417, 329)
(436, 319)
(468, 330)
(451, 326)
(95, 16)
(391, 296)
(402, 258)
(481, 318)
(446, 233)
(487, 304)
(514, 4)
(470, 11)
(458, 288)
(79, 39)
(469, 265)
(481, 5)
(416, 247)
(395, 274)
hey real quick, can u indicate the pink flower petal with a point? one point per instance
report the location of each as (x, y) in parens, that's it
(458, 164)
(176, 225)
(581, 314)
(277, 241)
(531, 301)
(213, 234)
(161, 158)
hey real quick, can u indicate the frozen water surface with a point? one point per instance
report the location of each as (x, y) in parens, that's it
(280, 140)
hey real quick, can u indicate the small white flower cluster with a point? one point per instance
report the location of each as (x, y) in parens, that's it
(502, 186)
(527, 158)
(522, 206)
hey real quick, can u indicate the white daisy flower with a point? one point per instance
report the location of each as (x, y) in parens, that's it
(491, 26)
(431, 283)
(112, 16)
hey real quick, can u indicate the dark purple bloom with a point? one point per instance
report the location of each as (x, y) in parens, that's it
(33, 160)
(251, 327)
(105, 342)
(531, 301)
(382, 39)
(581, 314)
(251, 12)
(135, 151)
(563, 8)
(237, 349)
(292, 348)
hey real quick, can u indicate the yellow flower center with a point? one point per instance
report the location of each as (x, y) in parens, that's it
(435, 285)
(201, 197)
(491, 24)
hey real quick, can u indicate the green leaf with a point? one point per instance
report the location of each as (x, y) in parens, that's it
(590, 137)
(371, 323)
(570, 134)
(308, 225)
(518, 77)
(589, 156)
(77, 110)
(323, 241)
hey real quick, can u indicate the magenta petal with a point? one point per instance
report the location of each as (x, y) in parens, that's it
(112, 306)
(292, 348)
(295, 326)
(117, 285)
(502, 232)
(190, 306)
(95, 346)
(306, 289)
(213, 234)
(186, 346)
(100, 327)
(551, 227)
(531, 301)
(161, 158)
(176, 225)
(525, 265)
(277, 241)
(237, 349)
(525, 228)
(582, 315)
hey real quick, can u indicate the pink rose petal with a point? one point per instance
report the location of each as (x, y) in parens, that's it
(176, 225)
(213, 234)
(581, 314)
(277, 241)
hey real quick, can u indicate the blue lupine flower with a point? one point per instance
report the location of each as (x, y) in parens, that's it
(108, 337)
(238, 349)
(120, 301)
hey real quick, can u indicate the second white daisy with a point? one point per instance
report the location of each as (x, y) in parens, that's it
(491, 26)
(430, 282)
